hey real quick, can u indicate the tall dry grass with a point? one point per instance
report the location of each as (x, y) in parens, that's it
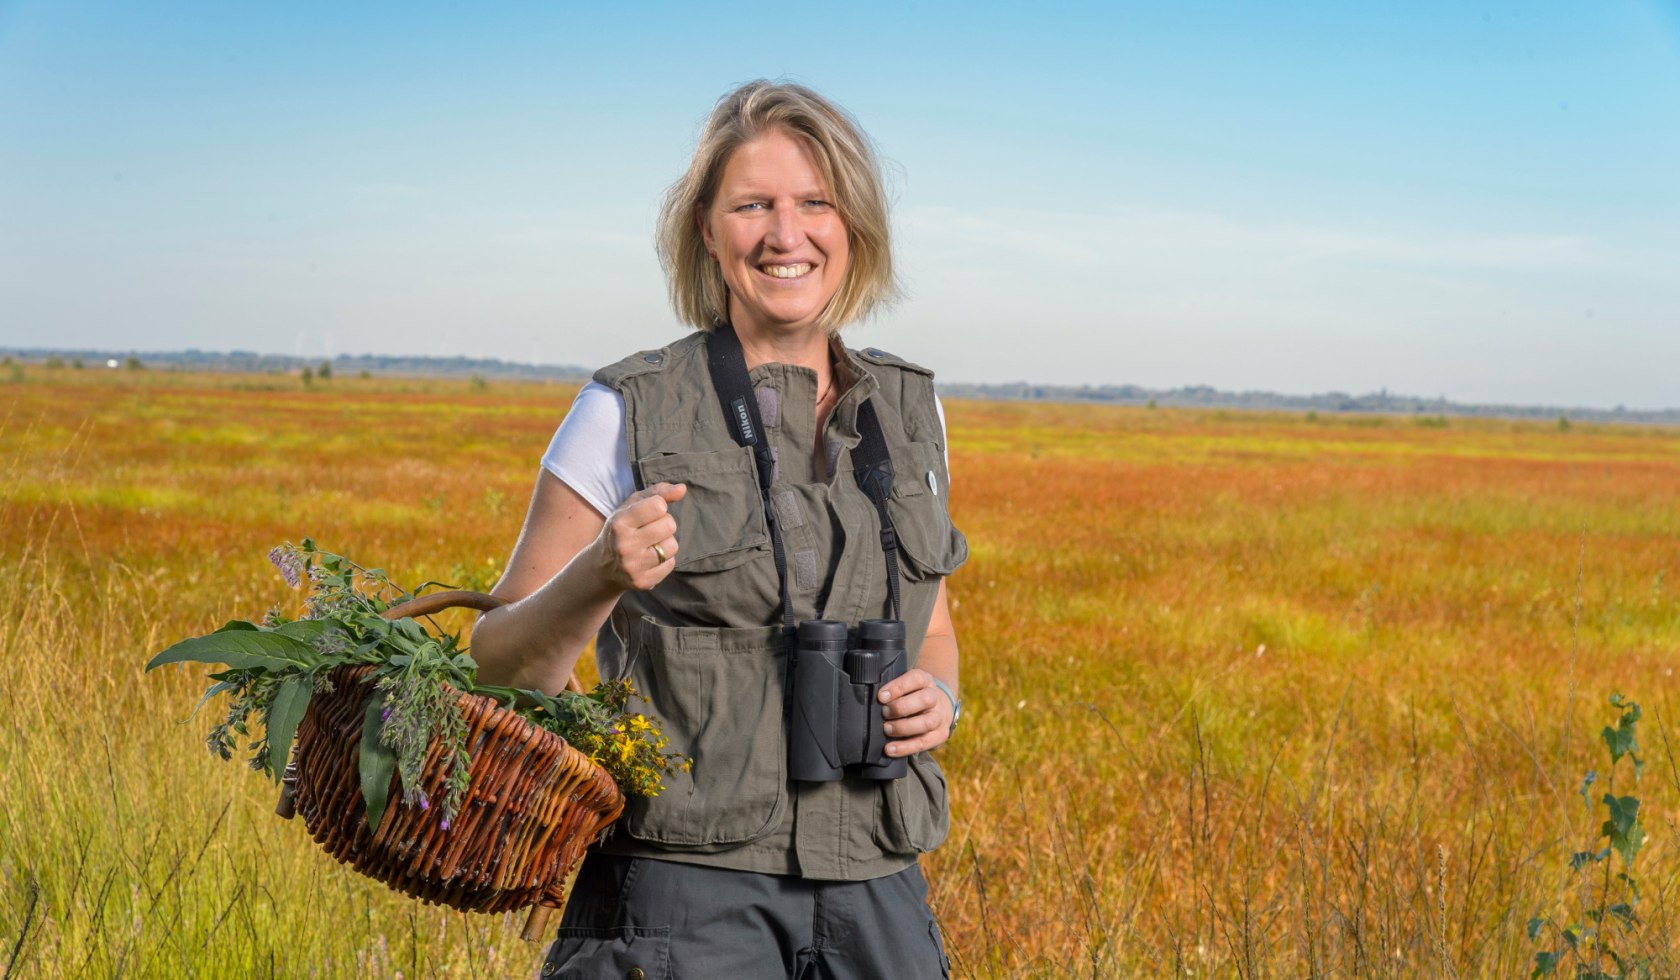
(1248, 695)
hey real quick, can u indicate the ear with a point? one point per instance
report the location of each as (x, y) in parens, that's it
(703, 219)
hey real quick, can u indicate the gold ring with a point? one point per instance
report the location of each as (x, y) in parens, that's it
(661, 553)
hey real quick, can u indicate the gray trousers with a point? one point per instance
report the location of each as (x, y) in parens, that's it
(646, 919)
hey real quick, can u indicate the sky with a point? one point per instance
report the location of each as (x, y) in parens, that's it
(1478, 201)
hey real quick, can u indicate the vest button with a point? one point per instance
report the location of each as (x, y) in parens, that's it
(651, 358)
(635, 974)
(872, 352)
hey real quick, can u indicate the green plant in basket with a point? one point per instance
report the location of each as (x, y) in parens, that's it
(275, 667)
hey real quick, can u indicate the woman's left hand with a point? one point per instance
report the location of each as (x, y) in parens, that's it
(917, 713)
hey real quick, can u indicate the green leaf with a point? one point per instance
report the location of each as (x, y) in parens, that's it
(284, 713)
(307, 630)
(410, 629)
(220, 687)
(508, 697)
(376, 765)
(238, 625)
(1545, 964)
(1534, 927)
(544, 702)
(1623, 829)
(240, 649)
(1586, 783)
(1620, 740)
(1624, 911)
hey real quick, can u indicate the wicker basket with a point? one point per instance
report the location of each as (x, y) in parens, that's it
(534, 806)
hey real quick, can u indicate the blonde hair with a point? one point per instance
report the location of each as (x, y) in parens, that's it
(846, 160)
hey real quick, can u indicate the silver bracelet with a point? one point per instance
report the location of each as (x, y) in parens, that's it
(956, 704)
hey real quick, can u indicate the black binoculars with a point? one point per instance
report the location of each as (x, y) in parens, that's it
(836, 719)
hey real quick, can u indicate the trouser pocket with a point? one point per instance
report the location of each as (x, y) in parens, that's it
(637, 952)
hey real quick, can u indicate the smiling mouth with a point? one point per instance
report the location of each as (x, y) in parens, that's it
(787, 271)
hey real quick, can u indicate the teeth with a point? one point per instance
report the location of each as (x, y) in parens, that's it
(788, 271)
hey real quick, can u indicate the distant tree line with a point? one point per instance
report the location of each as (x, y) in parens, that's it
(1382, 402)
(345, 364)
(480, 370)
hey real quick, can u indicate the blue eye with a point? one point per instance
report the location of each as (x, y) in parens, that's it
(750, 206)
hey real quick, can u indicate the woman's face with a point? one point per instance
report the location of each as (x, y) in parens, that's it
(777, 236)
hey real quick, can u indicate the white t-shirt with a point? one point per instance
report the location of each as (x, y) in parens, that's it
(590, 452)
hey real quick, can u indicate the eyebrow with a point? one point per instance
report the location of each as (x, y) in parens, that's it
(753, 194)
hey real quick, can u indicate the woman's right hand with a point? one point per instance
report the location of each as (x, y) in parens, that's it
(626, 547)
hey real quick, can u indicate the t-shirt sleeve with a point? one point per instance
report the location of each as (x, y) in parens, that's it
(589, 452)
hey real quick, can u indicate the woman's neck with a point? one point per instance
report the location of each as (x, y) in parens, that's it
(805, 347)
(801, 351)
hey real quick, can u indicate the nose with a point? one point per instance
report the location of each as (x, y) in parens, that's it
(786, 230)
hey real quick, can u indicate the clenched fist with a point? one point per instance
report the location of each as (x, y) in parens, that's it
(637, 547)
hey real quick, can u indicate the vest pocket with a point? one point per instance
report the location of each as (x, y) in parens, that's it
(718, 693)
(915, 810)
(928, 540)
(720, 522)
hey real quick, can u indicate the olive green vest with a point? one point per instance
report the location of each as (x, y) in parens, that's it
(706, 644)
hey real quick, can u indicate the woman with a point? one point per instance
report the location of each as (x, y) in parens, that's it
(648, 528)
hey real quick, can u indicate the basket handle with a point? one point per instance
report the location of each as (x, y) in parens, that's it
(425, 605)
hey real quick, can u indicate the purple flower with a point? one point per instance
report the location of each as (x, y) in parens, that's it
(445, 823)
(286, 560)
(425, 804)
(386, 714)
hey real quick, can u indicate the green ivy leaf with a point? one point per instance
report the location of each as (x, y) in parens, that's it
(281, 723)
(241, 649)
(1545, 964)
(376, 765)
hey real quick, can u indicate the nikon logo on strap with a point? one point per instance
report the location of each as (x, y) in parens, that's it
(743, 421)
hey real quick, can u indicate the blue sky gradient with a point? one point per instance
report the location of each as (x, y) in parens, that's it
(1437, 198)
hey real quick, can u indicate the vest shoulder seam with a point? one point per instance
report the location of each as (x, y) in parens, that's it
(645, 362)
(875, 355)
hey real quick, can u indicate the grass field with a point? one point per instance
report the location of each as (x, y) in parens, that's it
(1249, 695)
